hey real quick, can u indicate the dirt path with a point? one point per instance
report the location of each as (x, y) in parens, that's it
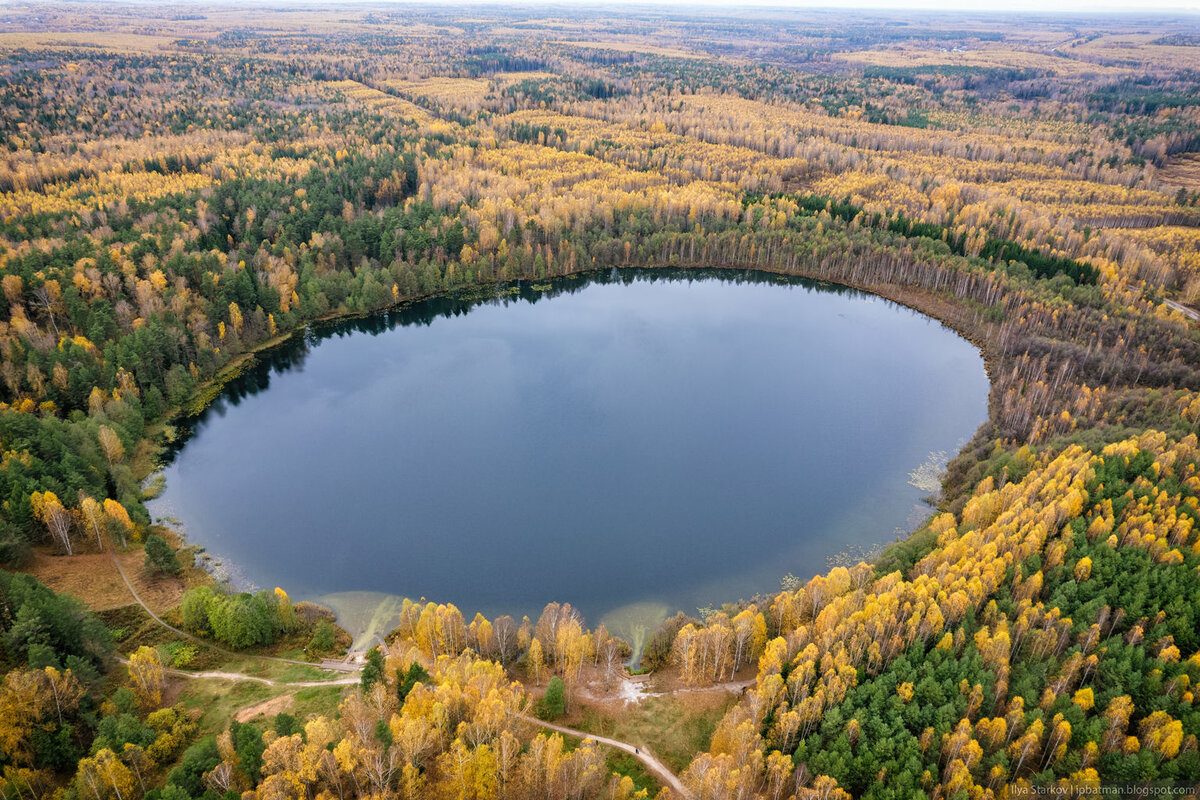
(655, 766)
(659, 769)
(1191, 313)
(333, 666)
(237, 676)
(640, 753)
(90, 576)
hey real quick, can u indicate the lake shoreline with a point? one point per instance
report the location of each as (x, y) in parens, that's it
(919, 302)
(925, 303)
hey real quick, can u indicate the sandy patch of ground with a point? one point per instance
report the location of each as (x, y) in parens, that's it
(633, 689)
(267, 708)
(172, 690)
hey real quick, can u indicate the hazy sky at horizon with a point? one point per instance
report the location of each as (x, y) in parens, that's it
(1043, 7)
(1003, 7)
(999, 6)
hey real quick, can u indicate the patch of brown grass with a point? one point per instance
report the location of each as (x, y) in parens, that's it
(73, 40)
(631, 47)
(92, 578)
(1182, 170)
(986, 57)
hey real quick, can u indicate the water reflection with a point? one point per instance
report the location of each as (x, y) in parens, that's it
(292, 354)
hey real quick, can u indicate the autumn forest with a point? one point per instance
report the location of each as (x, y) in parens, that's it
(185, 186)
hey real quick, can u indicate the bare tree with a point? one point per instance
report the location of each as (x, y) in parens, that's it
(504, 631)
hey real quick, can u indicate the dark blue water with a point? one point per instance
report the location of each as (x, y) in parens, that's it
(672, 437)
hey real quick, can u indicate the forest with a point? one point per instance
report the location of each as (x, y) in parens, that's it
(183, 186)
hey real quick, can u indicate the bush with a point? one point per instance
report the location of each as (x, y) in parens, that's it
(323, 638)
(373, 669)
(181, 653)
(194, 609)
(239, 620)
(197, 760)
(160, 556)
(285, 724)
(15, 552)
(554, 702)
(405, 683)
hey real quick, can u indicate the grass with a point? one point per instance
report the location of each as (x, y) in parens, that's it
(1181, 170)
(94, 581)
(218, 700)
(318, 700)
(624, 764)
(132, 627)
(251, 664)
(673, 728)
(295, 673)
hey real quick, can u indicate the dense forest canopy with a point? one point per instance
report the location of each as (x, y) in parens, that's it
(182, 185)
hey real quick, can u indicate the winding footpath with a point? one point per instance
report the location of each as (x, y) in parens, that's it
(640, 753)
(656, 767)
(237, 676)
(334, 666)
(1188, 312)
(241, 676)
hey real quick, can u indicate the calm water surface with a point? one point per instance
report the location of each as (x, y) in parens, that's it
(671, 438)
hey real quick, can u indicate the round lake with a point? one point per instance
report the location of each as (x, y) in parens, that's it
(669, 438)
